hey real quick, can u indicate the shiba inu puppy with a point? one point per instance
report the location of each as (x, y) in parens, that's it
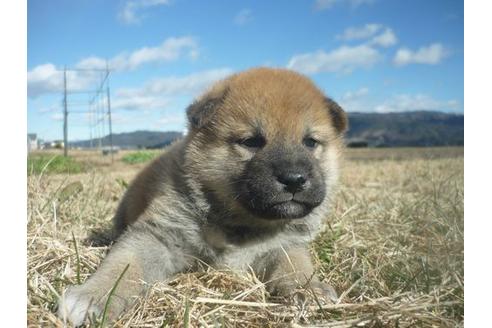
(248, 187)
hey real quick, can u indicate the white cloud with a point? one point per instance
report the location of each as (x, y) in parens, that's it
(47, 78)
(357, 33)
(328, 4)
(360, 101)
(173, 86)
(43, 78)
(243, 17)
(355, 101)
(92, 62)
(385, 39)
(130, 13)
(353, 95)
(344, 59)
(376, 34)
(50, 109)
(418, 102)
(140, 103)
(168, 119)
(160, 93)
(58, 117)
(431, 55)
(170, 50)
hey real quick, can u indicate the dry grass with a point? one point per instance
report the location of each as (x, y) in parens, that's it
(393, 249)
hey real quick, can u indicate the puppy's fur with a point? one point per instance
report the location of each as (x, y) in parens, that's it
(249, 186)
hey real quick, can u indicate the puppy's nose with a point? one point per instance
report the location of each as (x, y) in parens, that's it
(293, 181)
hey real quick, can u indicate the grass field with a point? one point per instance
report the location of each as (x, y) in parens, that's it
(393, 248)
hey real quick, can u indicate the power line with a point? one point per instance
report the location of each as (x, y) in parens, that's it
(98, 107)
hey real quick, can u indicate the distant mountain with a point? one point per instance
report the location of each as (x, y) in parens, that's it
(414, 129)
(408, 129)
(136, 139)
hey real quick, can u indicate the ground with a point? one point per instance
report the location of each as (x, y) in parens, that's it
(393, 248)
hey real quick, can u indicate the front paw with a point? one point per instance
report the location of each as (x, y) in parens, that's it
(77, 304)
(307, 293)
(324, 290)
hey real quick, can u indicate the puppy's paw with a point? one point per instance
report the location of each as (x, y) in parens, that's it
(76, 305)
(324, 290)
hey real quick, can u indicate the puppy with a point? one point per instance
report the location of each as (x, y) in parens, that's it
(248, 187)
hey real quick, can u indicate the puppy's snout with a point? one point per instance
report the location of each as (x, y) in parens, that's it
(293, 181)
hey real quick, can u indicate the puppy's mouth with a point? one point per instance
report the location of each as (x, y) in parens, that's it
(289, 207)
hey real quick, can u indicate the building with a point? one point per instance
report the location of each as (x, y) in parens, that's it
(32, 142)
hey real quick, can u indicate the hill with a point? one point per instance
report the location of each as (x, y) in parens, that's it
(412, 129)
(136, 139)
(409, 129)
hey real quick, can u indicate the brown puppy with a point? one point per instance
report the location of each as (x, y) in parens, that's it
(248, 187)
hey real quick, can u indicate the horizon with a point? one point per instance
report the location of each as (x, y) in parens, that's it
(368, 55)
(184, 131)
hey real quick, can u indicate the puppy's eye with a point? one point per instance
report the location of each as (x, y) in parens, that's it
(310, 143)
(253, 142)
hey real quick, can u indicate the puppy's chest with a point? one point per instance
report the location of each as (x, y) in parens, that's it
(239, 251)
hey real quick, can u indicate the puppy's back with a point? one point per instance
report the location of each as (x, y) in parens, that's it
(153, 181)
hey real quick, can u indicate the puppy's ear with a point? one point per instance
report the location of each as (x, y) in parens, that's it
(201, 111)
(338, 116)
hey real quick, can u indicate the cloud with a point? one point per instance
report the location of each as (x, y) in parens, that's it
(168, 120)
(376, 34)
(360, 101)
(344, 59)
(58, 117)
(328, 4)
(385, 39)
(357, 33)
(160, 93)
(418, 102)
(355, 101)
(43, 78)
(48, 78)
(354, 95)
(174, 86)
(243, 17)
(170, 50)
(50, 109)
(92, 63)
(139, 103)
(430, 55)
(130, 13)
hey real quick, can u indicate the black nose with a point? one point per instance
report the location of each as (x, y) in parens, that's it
(293, 181)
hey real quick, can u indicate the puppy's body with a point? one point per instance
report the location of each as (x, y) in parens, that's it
(247, 188)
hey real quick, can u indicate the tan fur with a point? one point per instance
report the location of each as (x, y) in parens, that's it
(186, 204)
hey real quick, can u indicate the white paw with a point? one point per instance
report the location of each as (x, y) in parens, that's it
(75, 306)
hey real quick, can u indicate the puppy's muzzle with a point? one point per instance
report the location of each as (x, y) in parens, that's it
(274, 187)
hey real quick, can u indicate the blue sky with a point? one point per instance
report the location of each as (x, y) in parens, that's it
(369, 55)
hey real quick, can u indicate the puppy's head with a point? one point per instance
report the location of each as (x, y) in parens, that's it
(264, 144)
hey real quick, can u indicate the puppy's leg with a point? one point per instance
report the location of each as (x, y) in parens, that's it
(150, 257)
(292, 269)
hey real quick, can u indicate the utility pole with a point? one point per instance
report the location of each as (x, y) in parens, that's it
(90, 124)
(99, 120)
(110, 127)
(65, 114)
(109, 114)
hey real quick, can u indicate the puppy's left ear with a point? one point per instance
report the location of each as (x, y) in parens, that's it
(202, 110)
(338, 115)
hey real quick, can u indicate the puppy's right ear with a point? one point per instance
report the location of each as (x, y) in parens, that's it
(202, 110)
(338, 115)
